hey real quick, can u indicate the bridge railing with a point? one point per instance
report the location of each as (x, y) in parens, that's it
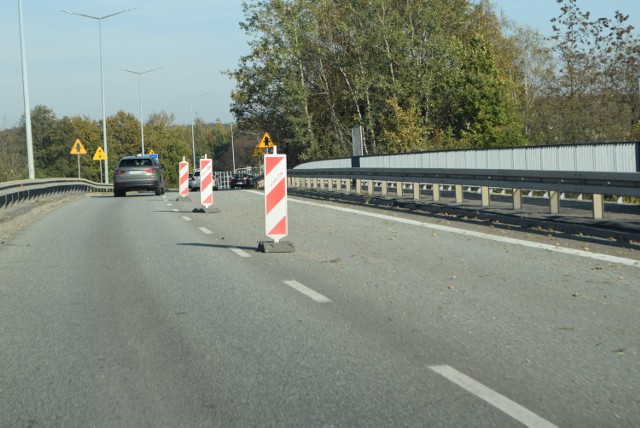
(553, 183)
(13, 192)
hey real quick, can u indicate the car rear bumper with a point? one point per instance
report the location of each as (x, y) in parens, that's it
(144, 184)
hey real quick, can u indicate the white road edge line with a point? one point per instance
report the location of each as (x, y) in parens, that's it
(185, 218)
(312, 294)
(512, 241)
(205, 230)
(240, 252)
(497, 400)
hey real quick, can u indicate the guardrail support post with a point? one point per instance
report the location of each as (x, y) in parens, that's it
(554, 202)
(486, 199)
(598, 206)
(517, 199)
(370, 187)
(347, 182)
(459, 194)
(399, 189)
(358, 186)
(416, 191)
(384, 187)
(436, 192)
(322, 183)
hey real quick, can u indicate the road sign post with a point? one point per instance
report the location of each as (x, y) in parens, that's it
(275, 203)
(78, 149)
(100, 156)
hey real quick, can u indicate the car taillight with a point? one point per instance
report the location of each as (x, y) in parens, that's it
(154, 170)
(119, 171)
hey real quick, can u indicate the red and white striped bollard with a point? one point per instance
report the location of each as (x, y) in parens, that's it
(275, 204)
(184, 178)
(206, 180)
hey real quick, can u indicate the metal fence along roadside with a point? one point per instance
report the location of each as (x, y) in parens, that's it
(13, 192)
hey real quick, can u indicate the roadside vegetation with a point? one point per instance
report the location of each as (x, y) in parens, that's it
(416, 75)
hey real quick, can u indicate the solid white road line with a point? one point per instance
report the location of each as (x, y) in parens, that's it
(499, 401)
(512, 241)
(312, 294)
(185, 218)
(205, 230)
(240, 252)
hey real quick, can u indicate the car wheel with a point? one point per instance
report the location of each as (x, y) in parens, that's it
(158, 191)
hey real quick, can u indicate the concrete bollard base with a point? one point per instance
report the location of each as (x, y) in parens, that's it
(203, 211)
(276, 247)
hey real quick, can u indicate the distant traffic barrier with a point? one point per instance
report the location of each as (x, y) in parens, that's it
(552, 183)
(13, 192)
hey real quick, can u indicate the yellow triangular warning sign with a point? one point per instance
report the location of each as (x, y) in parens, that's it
(151, 152)
(257, 153)
(266, 142)
(100, 154)
(78, 148)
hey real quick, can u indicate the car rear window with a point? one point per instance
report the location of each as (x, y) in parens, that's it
(136, 162)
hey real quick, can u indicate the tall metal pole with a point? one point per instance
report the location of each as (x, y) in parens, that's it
(193, 138)
(233, 152)
(141, 115)
(140, 73)
(27, 106)
(104, 114)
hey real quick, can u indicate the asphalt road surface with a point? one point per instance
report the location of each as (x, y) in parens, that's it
(139, 312)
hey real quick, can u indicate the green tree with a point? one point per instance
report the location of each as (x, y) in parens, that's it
(316, 69)
(599, 61)
(13, 154)
(123, 136)
(68, 129)
(169, 142)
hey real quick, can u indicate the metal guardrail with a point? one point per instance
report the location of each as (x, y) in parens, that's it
(594, 183)
(13, 192)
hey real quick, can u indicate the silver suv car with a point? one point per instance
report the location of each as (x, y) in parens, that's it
(194, 181)
(138, 173)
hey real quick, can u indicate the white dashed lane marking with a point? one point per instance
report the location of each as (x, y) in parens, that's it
(240, 252)
(312, 294)
(185, 218)
(497, 400)
(205, 230)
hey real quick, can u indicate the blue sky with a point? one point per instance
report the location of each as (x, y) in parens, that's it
(193, 41)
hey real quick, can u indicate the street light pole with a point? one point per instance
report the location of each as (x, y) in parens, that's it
(193, 138)
(27, 106)
(233, 152)
(140, 73)
(104, 117)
